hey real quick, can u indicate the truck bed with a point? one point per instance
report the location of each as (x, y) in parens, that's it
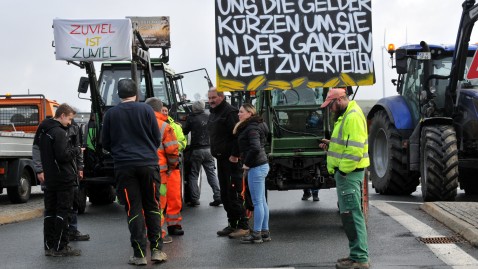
(16, 144)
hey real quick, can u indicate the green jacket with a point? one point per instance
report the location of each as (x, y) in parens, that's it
(348, 148)
(178, 131)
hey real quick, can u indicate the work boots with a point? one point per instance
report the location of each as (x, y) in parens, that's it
(175, 230)
(137, 260)
(306, 196)
(158, 256)
(238, 233)
(78, 236)
(226, 231)
(66, 251)
(266, 236)
(255, 237)
(347, 263)
(215, 203)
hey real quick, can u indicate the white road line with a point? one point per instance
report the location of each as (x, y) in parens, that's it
(450, 254)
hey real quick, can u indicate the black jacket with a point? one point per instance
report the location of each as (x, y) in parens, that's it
(75, 140)
(131, 133)
(251, 136)
(57, 155)
(222, 120)
(196, 123)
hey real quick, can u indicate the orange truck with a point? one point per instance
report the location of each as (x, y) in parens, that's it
(20, 116)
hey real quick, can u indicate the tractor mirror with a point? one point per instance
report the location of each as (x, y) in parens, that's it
(84, 84)
(401, 61)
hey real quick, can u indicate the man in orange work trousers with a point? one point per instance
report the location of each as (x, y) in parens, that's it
(168, 154)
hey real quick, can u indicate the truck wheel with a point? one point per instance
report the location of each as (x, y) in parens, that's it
(21, 193)
(439, 163)
(102, 194)
(81, 199)
(388, 173)
(468, 180)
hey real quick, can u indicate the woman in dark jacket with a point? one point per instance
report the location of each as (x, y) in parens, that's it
(251, 134)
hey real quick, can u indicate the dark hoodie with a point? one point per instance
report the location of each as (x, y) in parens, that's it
(57, 155)
(251, 137)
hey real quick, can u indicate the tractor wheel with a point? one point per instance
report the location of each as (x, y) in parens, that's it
(101, 194)
(439, 163)
(21, 193)
(468, 180)
(388, 171)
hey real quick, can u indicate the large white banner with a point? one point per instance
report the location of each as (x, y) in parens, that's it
(92, 39)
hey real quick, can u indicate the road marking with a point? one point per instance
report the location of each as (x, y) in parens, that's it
(450, 254)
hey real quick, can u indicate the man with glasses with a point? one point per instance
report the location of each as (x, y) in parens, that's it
(347, 157)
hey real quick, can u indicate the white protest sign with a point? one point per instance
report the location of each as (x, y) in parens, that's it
(92, 39)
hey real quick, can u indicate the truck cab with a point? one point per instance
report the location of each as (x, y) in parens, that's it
(20, 116)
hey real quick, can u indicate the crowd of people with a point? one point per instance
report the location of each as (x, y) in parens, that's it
(146, 143)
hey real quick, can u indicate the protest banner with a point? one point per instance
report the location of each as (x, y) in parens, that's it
(92, 39)
(155, 31)
(288, 43)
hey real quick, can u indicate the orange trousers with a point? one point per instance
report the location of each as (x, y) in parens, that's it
(171, 204)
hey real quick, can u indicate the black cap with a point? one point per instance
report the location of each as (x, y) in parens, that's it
(127, 88)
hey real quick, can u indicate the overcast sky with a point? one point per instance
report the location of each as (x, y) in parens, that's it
(28, 60)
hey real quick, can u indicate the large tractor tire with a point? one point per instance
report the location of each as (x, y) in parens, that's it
(468, 180)
(101, 194)
(21, 193)
(388, 170)
(439, 163)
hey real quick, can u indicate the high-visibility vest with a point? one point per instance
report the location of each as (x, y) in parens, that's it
(348, 147)
(168, 152)
(178, 130)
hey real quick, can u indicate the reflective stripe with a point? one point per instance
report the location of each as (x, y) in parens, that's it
(139, 247)
(155, 212)
(170, 223)
(344, 156)
(349, 151)
(170, 143)
(163, 127)
(348, 143)
(129, 221)
(127, 200)
(173, 216)
(162, 167)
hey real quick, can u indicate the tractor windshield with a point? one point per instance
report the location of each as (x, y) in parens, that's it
(298, 112)
(108, 85)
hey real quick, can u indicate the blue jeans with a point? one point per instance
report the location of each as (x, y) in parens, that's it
(256, 177)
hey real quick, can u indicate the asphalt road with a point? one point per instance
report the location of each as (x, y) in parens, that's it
(305, 234)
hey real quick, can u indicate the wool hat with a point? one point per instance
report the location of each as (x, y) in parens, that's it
(333, 94)
(127, 88)
(198, 106)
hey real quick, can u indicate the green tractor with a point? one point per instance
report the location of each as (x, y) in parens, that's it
(297, 125)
